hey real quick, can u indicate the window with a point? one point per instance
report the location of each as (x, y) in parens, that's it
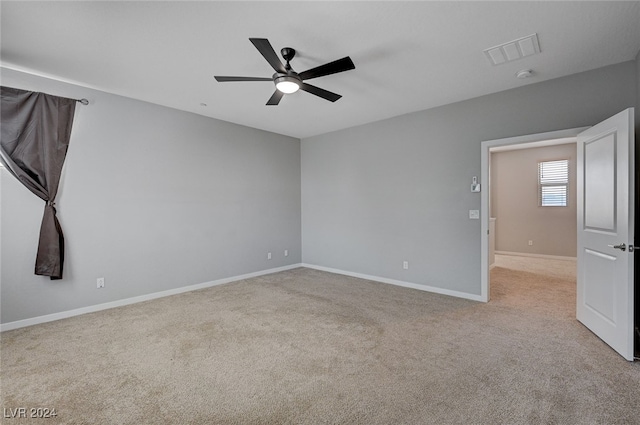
(553, 180)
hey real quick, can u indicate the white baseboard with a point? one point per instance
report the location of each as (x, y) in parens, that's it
(525, 254)
(426, 288)
(119, 303)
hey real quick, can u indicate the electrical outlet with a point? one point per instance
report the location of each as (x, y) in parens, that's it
(100, 282)
(530, 243)
(405, 265)
(286, 252)
(268, 256)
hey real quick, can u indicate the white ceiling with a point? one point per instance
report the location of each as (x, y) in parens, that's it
(409, 56)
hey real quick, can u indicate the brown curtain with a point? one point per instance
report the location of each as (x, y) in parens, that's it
(36, 128)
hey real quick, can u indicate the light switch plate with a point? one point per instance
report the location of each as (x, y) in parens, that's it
(474, 214)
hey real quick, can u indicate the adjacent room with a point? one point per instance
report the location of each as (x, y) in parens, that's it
(319, 212)
(533, 222)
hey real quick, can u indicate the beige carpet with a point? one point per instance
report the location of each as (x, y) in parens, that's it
(309, 347)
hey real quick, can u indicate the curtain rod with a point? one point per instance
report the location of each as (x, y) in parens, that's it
(83, 101)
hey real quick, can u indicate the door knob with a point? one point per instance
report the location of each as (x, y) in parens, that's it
(621, 247)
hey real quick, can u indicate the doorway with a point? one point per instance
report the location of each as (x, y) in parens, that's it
(521, 142)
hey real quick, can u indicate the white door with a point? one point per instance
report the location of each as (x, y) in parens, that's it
(605, 170)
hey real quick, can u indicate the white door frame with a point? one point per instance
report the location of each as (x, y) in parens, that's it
(485, 158)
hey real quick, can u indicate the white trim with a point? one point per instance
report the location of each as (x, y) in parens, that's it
(485, 157)
(18, 68)
(420, 287)
(531, 145)
(526, 254)
(119, 303)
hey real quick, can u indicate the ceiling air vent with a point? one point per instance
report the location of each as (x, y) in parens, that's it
(513, 50)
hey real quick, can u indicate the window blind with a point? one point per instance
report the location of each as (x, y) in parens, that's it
(553, 182)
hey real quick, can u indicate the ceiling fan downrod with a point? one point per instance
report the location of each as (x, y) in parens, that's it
(288, 53)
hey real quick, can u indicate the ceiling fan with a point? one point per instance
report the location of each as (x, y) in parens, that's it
(286, 79)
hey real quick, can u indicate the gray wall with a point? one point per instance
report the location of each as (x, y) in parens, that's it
(398, 189)
(151, 199)
(514, 203)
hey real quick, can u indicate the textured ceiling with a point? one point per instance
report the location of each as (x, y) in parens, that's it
(409, 56)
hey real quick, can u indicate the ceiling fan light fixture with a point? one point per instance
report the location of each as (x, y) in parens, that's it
(287, 84)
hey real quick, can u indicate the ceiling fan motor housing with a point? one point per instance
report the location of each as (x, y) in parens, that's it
(291, 76)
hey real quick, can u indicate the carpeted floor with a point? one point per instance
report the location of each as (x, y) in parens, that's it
(310, 347)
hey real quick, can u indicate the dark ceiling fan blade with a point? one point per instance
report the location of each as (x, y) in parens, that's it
(265, 48)
(325, 94)
(226, 79)
(340, 65)
(275, 98)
